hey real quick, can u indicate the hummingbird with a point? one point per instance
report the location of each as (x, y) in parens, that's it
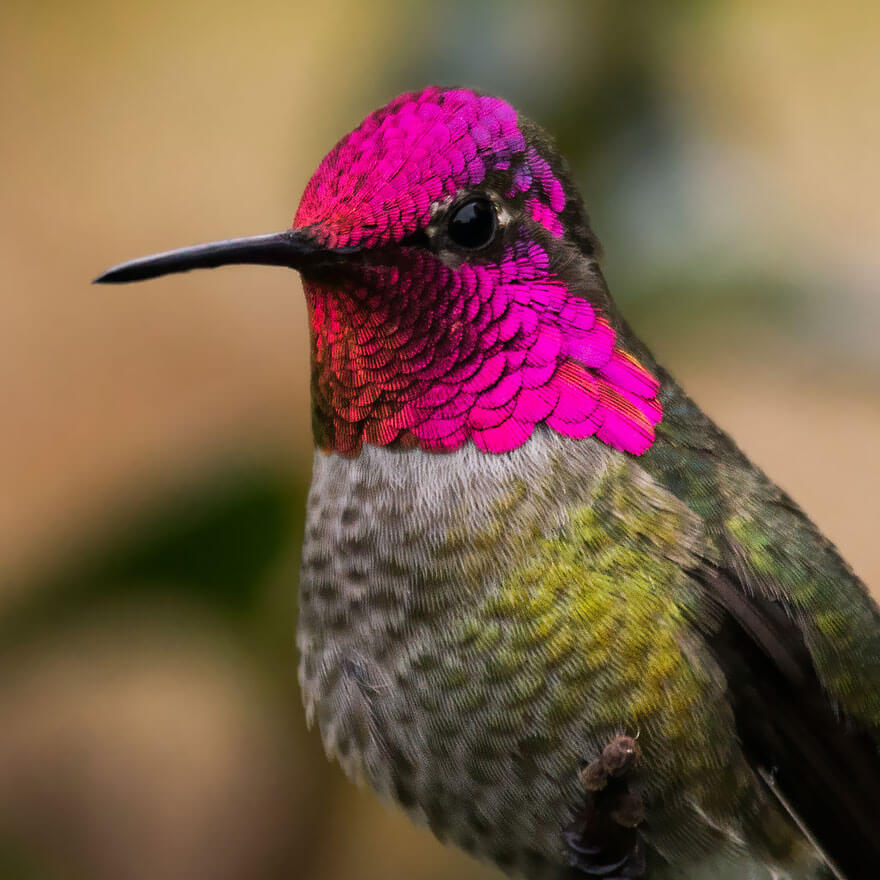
(545, 603)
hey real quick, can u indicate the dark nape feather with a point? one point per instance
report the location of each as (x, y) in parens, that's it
(822, 767)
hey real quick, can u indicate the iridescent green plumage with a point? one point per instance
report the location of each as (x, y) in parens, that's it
(764, 541)
(603, 618)
(803, 665)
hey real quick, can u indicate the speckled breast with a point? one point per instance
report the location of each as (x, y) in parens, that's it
(417, 685)
(474, 629)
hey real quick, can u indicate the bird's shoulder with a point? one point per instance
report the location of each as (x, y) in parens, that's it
(795, 632)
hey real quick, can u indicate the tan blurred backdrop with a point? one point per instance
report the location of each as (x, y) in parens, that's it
(154, 439)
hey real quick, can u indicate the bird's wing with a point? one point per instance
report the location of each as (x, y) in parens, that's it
(796, 635)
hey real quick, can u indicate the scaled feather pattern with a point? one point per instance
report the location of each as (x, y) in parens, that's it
(414, 350)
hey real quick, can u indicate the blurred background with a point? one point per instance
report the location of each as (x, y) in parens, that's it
(155, 442)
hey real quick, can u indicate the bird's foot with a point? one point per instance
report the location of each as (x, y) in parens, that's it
(616, 760)
(604, 841)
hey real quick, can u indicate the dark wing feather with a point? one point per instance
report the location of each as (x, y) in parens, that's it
(824, 767)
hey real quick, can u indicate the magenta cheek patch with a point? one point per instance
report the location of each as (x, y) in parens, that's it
(396, 364)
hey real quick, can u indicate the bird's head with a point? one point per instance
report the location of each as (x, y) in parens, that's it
(452, 286)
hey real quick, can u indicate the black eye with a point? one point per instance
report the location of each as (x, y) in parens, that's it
(473, 224)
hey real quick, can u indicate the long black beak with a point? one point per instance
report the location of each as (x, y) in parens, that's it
(293, 248)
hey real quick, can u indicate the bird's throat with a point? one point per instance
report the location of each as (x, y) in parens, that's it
(418, 354)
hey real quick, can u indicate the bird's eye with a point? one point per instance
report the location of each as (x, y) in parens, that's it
(473, 224)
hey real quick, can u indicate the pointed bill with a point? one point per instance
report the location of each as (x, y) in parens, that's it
(293, 248)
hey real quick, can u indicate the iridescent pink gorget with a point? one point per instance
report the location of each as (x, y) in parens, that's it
(412, 348)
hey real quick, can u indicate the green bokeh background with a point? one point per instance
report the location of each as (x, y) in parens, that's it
(155, 446)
